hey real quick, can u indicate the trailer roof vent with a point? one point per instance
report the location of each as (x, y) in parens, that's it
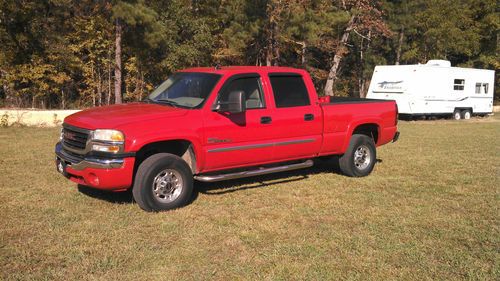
(444, 63)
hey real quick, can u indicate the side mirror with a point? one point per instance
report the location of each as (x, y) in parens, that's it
(235, 103)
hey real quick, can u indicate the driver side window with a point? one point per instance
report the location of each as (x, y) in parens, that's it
(252, 88)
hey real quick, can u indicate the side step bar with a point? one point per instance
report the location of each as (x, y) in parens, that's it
(256, 172)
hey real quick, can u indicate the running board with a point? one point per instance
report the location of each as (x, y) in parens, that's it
(256, 172)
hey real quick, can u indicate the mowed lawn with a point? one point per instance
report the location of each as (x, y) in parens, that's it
(430, 210)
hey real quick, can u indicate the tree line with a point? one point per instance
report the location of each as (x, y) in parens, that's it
(74, 54)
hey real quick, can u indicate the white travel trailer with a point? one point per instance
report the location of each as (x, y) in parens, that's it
(434, 88)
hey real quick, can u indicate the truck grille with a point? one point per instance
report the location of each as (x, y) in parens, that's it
(74, 138)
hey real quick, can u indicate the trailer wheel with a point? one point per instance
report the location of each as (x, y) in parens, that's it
(163, 182)
(466, 114)
(360, 157)
(457, 115)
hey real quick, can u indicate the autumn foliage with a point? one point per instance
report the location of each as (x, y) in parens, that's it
(74, 54)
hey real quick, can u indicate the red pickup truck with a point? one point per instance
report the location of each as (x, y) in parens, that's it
(212, 124)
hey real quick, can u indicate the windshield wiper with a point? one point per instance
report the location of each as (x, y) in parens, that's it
(169, 102)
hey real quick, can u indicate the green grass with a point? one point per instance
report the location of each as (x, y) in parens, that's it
(429, 211)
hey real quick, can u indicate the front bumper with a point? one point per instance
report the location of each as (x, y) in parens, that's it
(87, 162)
(101, 173)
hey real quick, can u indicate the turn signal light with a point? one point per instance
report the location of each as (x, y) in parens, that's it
(106, 148)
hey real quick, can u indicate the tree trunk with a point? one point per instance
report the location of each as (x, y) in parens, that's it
(108, 97)
(141, 89)
(276, 47)
(362, 81)
(400, 45)
(361, 69)
(10, 99)
(276, 53)
(99, 88)
(303, 53)
(63, 99)
(339, 54)
(366, 84)
(269, 53)
(118, 62)
(272, 48)
(94, 90)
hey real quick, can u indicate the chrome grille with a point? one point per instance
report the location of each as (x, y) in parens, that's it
(74, 138)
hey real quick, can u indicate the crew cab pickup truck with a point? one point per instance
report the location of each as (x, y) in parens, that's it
(212, 124)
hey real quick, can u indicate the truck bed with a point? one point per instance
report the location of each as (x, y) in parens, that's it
(349, 100)
(341, 115)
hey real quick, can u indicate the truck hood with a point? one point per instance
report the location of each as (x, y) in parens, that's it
(113, 116)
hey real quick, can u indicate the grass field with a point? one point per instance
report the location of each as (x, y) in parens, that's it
(429, 211)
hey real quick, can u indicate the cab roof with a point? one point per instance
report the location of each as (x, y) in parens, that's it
(223, 70)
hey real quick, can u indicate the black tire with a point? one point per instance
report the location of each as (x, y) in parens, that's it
(173, 186)
(457, 114)
(357, 146)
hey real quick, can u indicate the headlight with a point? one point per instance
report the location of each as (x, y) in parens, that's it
(107, 141)
(108, 135)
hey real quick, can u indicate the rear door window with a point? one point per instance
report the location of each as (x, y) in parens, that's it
(289, 90)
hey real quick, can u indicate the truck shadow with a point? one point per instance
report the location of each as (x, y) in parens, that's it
(224, 187)
(122, 197)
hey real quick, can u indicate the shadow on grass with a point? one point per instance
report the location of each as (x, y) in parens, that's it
(220, 188)
(122, 197)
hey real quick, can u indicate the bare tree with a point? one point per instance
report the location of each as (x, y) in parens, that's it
(118, 62)
(365, 17)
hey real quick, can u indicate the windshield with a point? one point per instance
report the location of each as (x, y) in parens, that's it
(185, 89)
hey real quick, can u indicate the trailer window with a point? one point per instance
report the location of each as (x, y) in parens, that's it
(485, 87)
(458, 84)
(482, 88)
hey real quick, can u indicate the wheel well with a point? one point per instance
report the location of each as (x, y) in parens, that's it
(370, 130)
(463, 108)
(181, 148)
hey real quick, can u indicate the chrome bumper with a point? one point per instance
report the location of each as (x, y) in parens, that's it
(75, 163)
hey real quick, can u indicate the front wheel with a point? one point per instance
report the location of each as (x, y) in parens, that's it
(457, 115)
(360, 157)
(163, 182)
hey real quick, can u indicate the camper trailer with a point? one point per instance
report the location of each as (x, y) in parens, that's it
(434, 89)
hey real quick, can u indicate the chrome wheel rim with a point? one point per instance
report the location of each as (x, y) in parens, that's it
(362, 157)
(167, 185)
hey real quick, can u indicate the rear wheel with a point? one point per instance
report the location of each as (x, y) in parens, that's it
(360, 157)
(457, 115)
(466, 114)
(163, 182)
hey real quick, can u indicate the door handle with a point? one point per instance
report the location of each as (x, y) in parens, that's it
(265, 120)
(308, 117)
